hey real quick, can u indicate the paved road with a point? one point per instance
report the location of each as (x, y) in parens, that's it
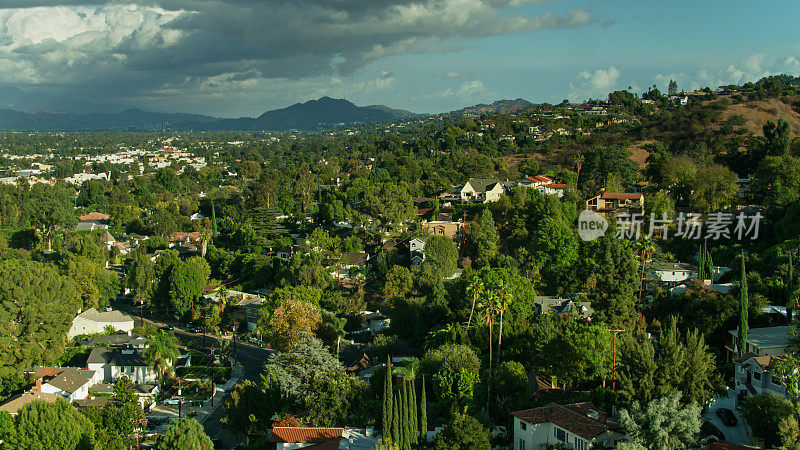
(737, 434)
(250, 357)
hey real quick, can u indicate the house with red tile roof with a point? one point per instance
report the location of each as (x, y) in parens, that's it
(318, 438)
(580, 426)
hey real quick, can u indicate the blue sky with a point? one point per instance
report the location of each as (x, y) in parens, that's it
(242, 57)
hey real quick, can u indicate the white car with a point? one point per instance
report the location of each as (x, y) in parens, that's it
(171, 401)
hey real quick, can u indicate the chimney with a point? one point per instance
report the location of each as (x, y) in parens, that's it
(38, 386)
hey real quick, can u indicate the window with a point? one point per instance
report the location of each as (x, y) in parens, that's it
(560, 434)
(757, 376)
(522, 426)
(522, 444)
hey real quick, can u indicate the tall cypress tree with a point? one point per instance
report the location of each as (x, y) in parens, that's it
(423, 414)
(213, 220)
(709, 266)
(387, 400)
(701, 264)
(406, 428)
(412, 410)
(396, 434)
(744, 304)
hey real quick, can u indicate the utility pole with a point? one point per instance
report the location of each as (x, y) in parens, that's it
(614, 359)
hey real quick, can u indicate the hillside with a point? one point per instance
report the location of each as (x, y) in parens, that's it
(321, 114)
(500, 106)
(757, 113)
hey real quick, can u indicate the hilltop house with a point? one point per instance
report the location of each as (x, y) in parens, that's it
(613, 203)
(92, 321)
(579, 426)
(669, 273)
(562, 305)
(480, 190)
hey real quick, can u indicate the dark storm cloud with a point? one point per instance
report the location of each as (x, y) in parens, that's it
(167, 45)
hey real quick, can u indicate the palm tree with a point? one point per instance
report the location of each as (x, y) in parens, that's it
(161, 352)
(476, 289)
(488, 310)
(578, 164)
(205, 237)
(504, 299)
(338, 327)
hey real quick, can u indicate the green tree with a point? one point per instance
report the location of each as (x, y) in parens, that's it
(37, 306)
(332, 397)
(672, 88)
(248, 409)
(663, 424)
(386, 422)
(51, 208)
(184, 433)
(510, 383)
(398, 282)
(482, 238)
(744, 304)
(296, 369)
(187, 282)
(777, 137)
(39, 425)
(423, 413)
(441, 254)
(290, 319)
(777, 180)
(764, 413)
(462, 432)
(714, 186)
(161, 352)
(141, 277)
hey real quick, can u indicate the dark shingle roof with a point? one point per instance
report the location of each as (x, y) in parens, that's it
(70, 379)
(116, 357)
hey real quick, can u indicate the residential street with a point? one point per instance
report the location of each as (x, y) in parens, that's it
(737, 434)
(250, 360)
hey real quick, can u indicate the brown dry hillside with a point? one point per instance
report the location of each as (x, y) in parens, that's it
(638, 154)
(757, 113)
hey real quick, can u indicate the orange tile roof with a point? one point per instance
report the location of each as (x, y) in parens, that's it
(305, 434)
(622, 195)
(94, 216)
(555, 185)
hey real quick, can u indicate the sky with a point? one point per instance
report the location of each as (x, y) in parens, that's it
(232, 58)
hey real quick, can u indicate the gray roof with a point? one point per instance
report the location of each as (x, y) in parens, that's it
(768, 337)
(70, 379)
(670, 266)
(115, 339)
(105, 316)
(482, 184)
(115, 357)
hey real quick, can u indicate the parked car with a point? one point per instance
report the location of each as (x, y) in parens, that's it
(726, 416)
(171, 401)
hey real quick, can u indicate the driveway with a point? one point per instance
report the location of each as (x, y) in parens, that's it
(737, 434)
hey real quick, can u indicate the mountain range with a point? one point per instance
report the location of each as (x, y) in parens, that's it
(312, 115)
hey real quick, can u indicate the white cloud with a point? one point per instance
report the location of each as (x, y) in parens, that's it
(595, 84)
(752, 68)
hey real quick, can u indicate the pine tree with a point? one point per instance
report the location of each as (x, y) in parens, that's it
(412, 409)
(743, 306)
(423, 414)
(387, 400)
(396, 435)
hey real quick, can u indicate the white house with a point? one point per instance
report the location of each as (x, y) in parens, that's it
(671, 273)
(532, 182)
(71, 383)
(480, 190)
(114, 362)
(753, 375)
(92, 321)
(580, 426)
(375, 321)
(556, 189)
